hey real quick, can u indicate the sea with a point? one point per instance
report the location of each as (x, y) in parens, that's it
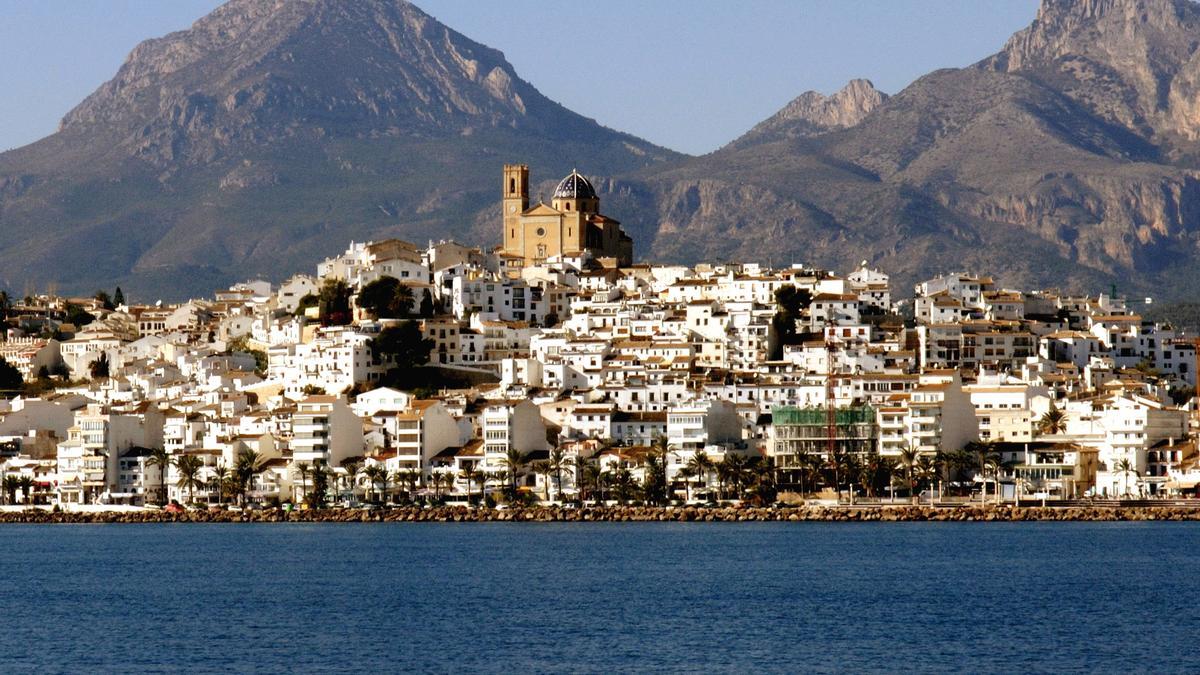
(600, 598)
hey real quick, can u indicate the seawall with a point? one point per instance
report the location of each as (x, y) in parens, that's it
(627, 514)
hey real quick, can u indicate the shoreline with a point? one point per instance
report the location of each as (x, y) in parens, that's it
(547, 514)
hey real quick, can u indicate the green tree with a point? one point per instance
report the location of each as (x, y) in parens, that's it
(6, 305)
(11, 485)
(333, 303)
(701, 465)
(27, 486)
(622, 481)
(352, 466)
(1053, 422)
(581, 468)
(426, 304)
(304, 468)
(1181, 395)
(99, 369)
(105, 301)
(78, 316)
(318, 497)
(388, 298)
(242, 345)
(188, 467)
(557, 463)
(514, 462)
(160, 458)
(249, 464)
(118, 297)
(403, 347)
(790, 304)
(765, 485)
(376, 475)
(11, 381)
(908, 459)
(220, 476)
(471, 474)
(927, 470)
(654, 483)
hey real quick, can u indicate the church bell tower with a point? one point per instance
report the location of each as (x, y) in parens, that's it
(516, 202)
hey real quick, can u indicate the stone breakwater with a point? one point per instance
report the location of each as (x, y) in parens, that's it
(625, 514)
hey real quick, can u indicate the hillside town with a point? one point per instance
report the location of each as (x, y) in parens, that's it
(553, 368)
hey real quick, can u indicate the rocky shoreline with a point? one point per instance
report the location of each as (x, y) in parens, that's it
(625, 514)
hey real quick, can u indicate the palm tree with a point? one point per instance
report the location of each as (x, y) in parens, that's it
(188, 467)
(802, 464)
(320, 485)
(1053, 422)
(375, 475)
(219, 476)
(27, 485)
(927, 470)
(557, 462)
(514, 462)
(908, 459)
(987, 462)
(687, 473)
(404, 300)
(594, 476)
(11, 484)
(249, 464)
(654, 486)
(352, 466)
(1125, 467)
(763, 474)
(304, 468)
(701, 465)
(470, 473)
(160, 458)
(408, 479)
(543, 469)
(837, 465)
(580, 467)
(622, 480)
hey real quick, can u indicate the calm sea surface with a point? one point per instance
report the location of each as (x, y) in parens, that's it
(500, 597)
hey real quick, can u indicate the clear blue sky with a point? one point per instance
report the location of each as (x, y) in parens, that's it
(637, 66)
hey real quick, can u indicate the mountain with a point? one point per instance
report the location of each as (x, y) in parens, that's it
(812, 113)
(1067, 159)
(269, 134)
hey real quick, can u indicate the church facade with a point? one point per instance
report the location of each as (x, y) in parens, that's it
(568, 227)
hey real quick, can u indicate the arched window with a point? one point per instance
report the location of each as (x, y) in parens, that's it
(512, 184)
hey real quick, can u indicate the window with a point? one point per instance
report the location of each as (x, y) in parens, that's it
(541, 232)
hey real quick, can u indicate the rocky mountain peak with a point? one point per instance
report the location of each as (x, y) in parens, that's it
(812, 113)
(246, 143)
(1131, 62)
(256, 68)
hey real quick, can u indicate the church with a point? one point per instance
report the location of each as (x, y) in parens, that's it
(570, 226)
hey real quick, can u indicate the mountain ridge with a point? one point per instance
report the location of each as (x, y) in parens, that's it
(269, 133)
(240, 145)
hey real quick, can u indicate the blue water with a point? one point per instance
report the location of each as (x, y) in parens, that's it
(798, 597)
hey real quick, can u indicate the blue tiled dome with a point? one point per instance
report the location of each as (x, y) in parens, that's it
(574, 186)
